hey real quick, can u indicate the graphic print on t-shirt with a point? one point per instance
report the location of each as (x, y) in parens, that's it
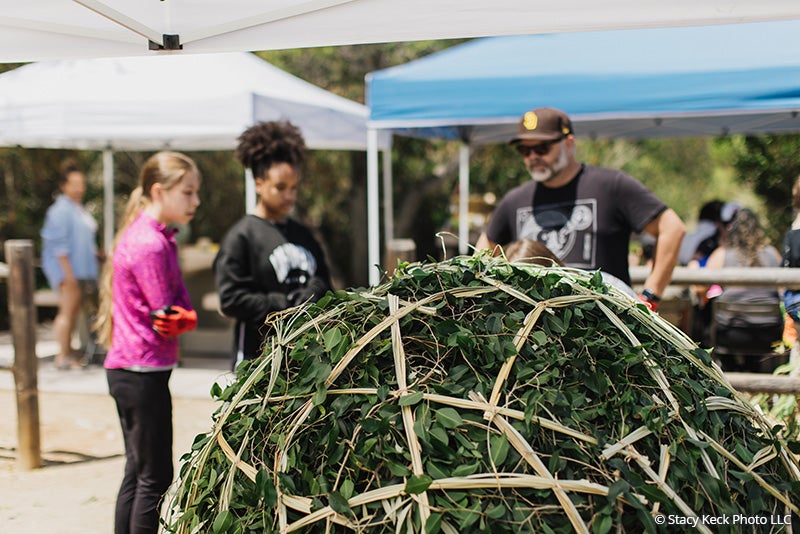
(293, 265)
(568, 229)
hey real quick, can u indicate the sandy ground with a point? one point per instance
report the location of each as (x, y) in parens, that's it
(83, 457)
(81, 443)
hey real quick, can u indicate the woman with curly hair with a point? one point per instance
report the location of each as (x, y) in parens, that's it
(267, 261)
(746, 245)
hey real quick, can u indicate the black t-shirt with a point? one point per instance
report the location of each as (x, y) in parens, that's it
(258, 263)
(587, 223)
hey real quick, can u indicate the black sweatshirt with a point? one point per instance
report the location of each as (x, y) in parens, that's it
(258, 264)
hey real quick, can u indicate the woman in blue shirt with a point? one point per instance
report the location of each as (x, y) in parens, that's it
(69, 257)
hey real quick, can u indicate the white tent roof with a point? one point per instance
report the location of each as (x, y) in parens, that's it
(47, 29)
(191, 102)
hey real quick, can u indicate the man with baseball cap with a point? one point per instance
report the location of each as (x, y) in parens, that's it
(584, 214)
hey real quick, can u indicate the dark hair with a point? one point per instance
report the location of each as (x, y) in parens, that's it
(267, 143)
(710, 211)
(67, 167)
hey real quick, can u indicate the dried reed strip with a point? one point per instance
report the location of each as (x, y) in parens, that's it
(498, 481)
(663, 469)
(524, 449)
(644, 463)
(657, 373)
(758, 478)
(408, 417)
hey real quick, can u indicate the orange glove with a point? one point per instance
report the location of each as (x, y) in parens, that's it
(173, 321)
(650, 299)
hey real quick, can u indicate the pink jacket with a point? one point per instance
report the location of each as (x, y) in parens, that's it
(147, 277)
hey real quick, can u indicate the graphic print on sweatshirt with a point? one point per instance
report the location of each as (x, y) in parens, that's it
(568, 229)
(294, 265)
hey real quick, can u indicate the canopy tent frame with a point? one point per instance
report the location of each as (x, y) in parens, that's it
(57, 29)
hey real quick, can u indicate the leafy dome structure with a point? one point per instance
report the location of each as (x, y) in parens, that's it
(478, 395)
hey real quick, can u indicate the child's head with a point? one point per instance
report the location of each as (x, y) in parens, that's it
(169, 182)
(274, 151)
(530, 251)
(267, 143)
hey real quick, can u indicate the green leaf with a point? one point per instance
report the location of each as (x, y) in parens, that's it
(448, 417)
(331, 338)
(411, 399)
(266, 488)
(320, 396)
(339, 504)
(602, 525)
(417, 484)
(439, 434)
(618, 488)
(496, 511)
(347, 489)
(465, 470)
(383, 392)
(500, 446)
(434, 523)
(222, 522)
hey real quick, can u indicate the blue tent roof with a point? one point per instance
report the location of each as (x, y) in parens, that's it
(713, 80)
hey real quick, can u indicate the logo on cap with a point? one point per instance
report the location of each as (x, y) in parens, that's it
(530, 120)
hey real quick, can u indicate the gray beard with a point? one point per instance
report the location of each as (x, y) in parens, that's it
(546, 174)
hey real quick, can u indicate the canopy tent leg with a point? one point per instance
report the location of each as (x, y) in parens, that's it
(388, 197)
(373, 209)
(249, 192)
(463, 199)
(108, 199)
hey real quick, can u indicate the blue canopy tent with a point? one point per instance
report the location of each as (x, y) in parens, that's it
(689, 81)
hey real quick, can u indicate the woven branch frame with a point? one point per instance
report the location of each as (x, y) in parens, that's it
(402, 509)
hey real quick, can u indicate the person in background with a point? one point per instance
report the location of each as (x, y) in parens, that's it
(746, 245)
(268, 261)
(791, 258)
(144, 307)
(698, 245)
(584, 214)
(69, 258)
(695, 251)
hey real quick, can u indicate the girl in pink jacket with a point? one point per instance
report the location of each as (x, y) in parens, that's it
(144, 307)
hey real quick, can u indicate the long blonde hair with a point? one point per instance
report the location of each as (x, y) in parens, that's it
(165, 168)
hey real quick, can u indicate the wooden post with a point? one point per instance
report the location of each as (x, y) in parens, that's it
(399, 250)
(22, 314)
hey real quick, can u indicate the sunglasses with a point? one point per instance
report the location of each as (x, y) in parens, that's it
(540, 150)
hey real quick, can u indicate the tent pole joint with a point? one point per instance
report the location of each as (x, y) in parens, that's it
(171, 42)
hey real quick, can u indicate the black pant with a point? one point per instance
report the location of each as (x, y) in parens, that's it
(144, 405)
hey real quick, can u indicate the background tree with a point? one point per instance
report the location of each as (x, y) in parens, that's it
(769, 165)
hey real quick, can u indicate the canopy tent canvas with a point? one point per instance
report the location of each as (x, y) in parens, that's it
(193, 102)
(56, 29)
(691, 81)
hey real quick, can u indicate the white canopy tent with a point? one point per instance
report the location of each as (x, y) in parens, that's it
(192, 102)
(54, 29)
